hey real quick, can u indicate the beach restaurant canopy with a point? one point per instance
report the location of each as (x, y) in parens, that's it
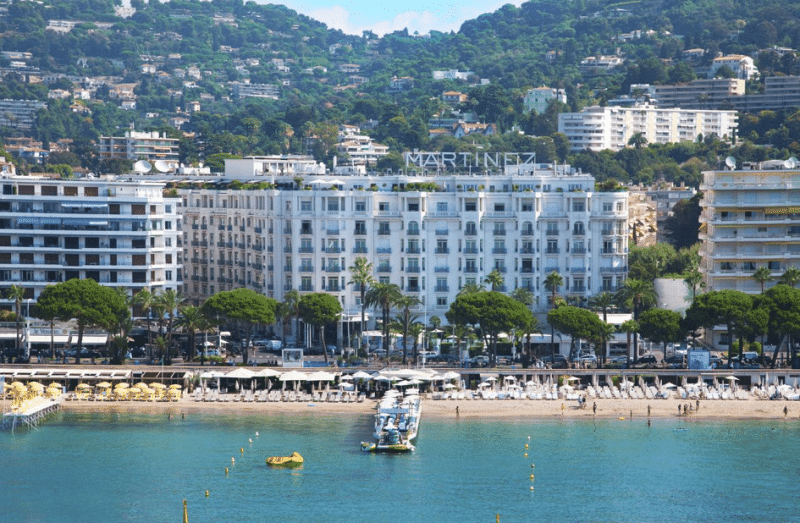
(61, 374)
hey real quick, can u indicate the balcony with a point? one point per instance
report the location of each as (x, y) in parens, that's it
(442, 250)
(287, 230)
(442, 232)
(499, 232)
(413, 288)
(501, 269)
(384, 250)
(552, 250)
(527, 250)
(333, 268)
(470, 232)
(383, 232)
(270, 267)
(527, 232)
(305, 230)
(441, 269)
(442, 288)
(413, 269)
(360, 250)
(361, 231)
(579, 250)
(303, 288)
(306, 268)
(551, 232)
(499, 250)
(287, 268)
(413, 250)
(305, 250)
(332, 232)
(526, 270)
(413, 232)
(471, 270)
(384, 268)
(333, 250)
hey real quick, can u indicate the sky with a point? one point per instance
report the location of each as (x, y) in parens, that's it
(386, 16)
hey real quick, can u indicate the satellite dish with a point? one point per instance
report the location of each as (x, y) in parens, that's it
(162, 166)
(142, 166)
(730, 161)
(791, 163)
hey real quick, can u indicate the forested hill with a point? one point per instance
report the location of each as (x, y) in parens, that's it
(177, 52)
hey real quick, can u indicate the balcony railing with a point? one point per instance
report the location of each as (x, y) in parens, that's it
(413, 250)
(384, 268)
(413, 269)
(470, 250)
(305, 250)
(333, 268)
(442, 232)
(360, 250)
(441, 269)
(442, 288)
(306, 268)
(384, 250)
(413, 232)
(499, 232)
(499, 250)
(552, 250)
(442, 250)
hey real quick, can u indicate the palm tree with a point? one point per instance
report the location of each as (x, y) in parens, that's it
(192, 319)
(494, 278)
(603, 302)
(144, 300)
(762, 276)
(630, 327)
(172, 302)
(637, 294)
(470, 288)
(361, 272)
(405, 303)
(790, 277)
(694, 280)
(384, 295)
(553, 282)
(16, 294)
(638, 140)
(292, 302)
(523, 295)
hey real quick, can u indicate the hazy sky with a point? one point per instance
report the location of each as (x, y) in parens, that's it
(386, 16)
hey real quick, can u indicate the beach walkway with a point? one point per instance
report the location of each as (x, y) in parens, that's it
(30, 412)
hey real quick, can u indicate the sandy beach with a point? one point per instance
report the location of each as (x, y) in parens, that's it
(470, 409)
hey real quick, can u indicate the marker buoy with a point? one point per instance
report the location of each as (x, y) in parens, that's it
(532, 476)
(233, 460)
(250, 440)
(532, 465)
(526, 445)
(526, 454)
(621, 417)
(226, 471)
(206, 493)
(241, 450)
(532, 488)
(256, 433)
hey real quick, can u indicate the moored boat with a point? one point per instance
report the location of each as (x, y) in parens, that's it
(396, 424)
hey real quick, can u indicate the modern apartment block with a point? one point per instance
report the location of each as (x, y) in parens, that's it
(750, 219)
(19, 114)
(140, 146)
(599, 128)
(119, 233)
(431, 235)
(539, 98)
(780, 92)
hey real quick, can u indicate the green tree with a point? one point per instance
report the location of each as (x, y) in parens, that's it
(384, 296)
(16, 294)
(782, 304)
(661, 326)
(170, 302)
(493, 312)
(244, 307)
(694, 280)
(630, 327)
(727, 307)
(638, 140)
(291, 301)
(361, 276)
(637, 295)
(88, 302)
(320, 309)
(576, 322)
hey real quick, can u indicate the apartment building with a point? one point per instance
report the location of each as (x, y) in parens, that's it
(539, 98)
(750, 219)
(150, 146)
(599, 128)
(431, 235)
(120, 233)
(741, 65)
(19, 114)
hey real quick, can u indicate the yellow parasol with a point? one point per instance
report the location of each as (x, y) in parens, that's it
(157, 385)
(121, 385)
(83, 386)
(103, 385)
(141, 385)
(35, 385)
(175, 387)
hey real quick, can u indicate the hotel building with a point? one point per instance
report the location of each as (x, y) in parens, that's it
(750, 219)
(119, 233)
(429, 234)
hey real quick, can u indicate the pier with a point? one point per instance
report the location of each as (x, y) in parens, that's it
(29, 413)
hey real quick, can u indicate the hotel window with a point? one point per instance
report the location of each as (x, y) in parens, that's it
(361, 206)
(441, 206)
(305, 205)
(383, 206)
(471, 205)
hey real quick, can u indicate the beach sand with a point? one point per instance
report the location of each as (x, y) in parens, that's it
(469, 409)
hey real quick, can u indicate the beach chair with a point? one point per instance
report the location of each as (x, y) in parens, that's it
(361, 397)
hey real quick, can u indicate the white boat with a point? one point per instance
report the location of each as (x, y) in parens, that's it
(396, 424)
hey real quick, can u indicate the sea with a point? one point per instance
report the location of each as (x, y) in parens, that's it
(130, 467)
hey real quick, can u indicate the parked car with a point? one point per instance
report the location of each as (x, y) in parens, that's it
(676, 361)
(479, 360)
(556, 362)
(585, 358)
(619, 360)
(647, 359)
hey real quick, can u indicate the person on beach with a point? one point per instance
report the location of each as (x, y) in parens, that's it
(594, 408)
(785, 412)
(698, 406)
(648, 410)
(456, 410)
(679, 409)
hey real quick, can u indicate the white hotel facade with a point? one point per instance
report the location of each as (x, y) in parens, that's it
(429, 242)
(120, 233)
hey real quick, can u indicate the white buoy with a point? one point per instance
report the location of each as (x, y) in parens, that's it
(256, 433)
(250, 440)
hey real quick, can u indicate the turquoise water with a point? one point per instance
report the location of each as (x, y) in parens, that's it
(139, 468)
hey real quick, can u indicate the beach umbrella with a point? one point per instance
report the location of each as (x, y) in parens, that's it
(732, 378)
(121, 385)
(451, 375)
(157, 385)
(103, 385)
(175, 387)
(669, 385)
(81, 386)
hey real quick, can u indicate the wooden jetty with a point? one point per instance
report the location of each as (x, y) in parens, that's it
(29, 414)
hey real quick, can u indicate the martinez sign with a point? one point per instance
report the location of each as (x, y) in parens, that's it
(486, 160)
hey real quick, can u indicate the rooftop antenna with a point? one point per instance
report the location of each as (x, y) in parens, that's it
(730, 162)
(142, 166)
(791, 163)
